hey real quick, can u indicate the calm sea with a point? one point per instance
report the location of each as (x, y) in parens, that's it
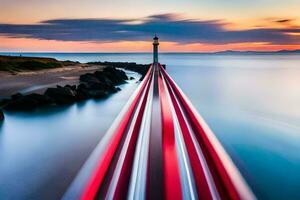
(252, 103)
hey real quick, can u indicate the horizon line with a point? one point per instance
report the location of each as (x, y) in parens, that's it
(164, 52)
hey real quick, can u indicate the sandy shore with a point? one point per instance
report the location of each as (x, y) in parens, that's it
(38, 81)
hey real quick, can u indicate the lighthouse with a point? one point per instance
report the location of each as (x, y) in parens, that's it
(155, 49)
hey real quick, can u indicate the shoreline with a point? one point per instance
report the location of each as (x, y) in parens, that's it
(15, 77)
(26, 81)
(96, 85)
(31, 89)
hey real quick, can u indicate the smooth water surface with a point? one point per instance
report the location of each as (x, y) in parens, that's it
(42, 151)
(252, 103)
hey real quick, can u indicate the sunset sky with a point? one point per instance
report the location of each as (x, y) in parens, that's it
(128, 25)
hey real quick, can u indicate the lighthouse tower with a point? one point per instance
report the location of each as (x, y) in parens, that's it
(155, 49)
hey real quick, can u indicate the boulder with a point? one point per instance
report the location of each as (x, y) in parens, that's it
(82, 86)
(23, 103)
(101, 86)
(100, 83)
(72, 87)
(114, 90)
(27, 102)
(16, 96)
(97, 94)
(102, 78)
(88, 78)
(63, 95)
(41, 99)
(3, 102)
(118, 89)
(115, 75)
(140, 68)
(1, 116)
(119, 73)
(97, 85)
(82, 92)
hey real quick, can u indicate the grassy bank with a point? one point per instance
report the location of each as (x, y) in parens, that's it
(19, 63)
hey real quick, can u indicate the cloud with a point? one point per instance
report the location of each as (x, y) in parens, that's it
(283, 20)
(170, 27)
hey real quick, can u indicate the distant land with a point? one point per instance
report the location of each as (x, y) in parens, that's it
(227, 52)
(230, 52)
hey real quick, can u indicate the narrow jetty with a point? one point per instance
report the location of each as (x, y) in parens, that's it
(159, 147)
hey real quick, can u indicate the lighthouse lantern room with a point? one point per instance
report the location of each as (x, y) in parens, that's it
(155, 49)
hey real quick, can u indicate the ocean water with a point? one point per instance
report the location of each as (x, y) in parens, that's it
(251, 102)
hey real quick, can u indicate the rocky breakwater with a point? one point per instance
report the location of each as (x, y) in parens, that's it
(1, 116)
(132, 66)
(91, 85)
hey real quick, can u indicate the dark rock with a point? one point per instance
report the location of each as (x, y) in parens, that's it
(115, 75)
(101, 86)
(82, 85)
(63, 95)
(92, 85)
(97, 85)
(100, 83)
(3, 102)
(72, 87)
(27, 102)
(108, 77)
(88, 78)
(41, 99)
(131, 78)
(1, 116)
(140, 68)
(16, 96)
(114, 90)
(82, 93)
(118, 89)
(120, 73)
(102, 78)
(23, 103)
(96, 94)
